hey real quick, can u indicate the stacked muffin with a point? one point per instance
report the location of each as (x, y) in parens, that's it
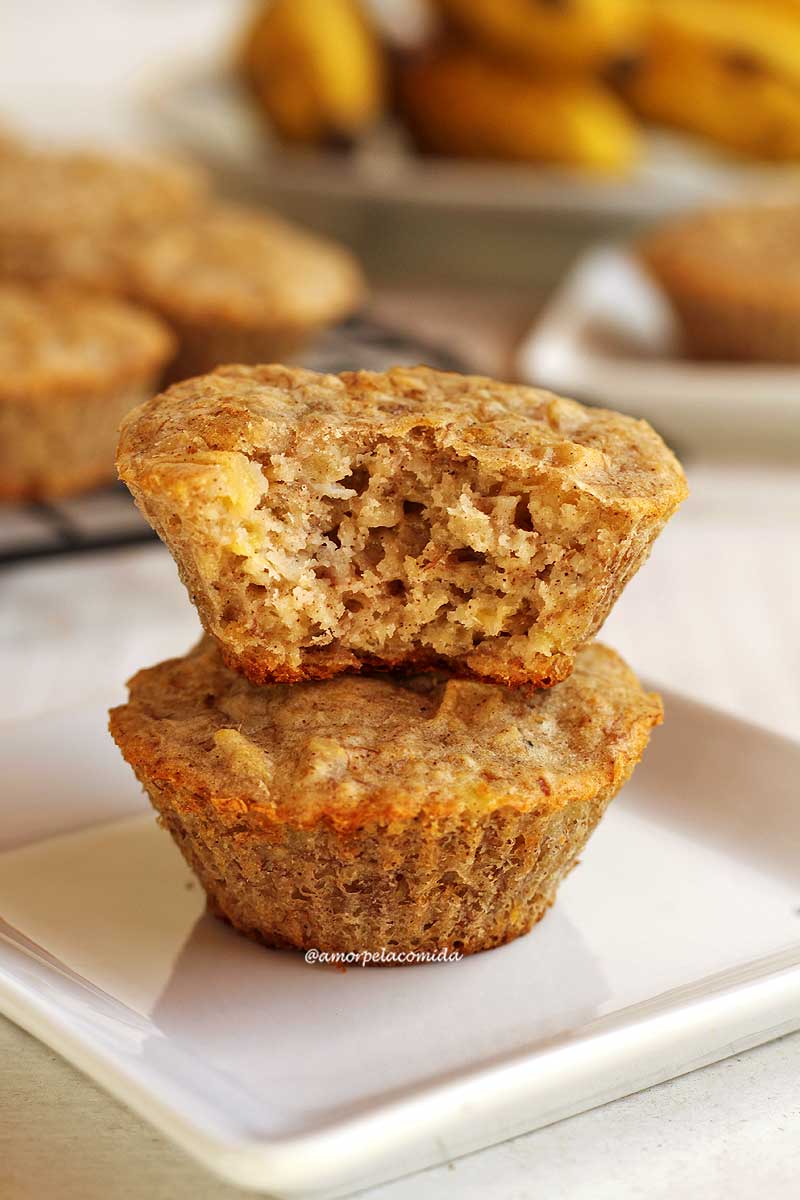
(91, 243)
(397, 733)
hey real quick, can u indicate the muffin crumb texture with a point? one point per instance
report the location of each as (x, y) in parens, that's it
(413, 518)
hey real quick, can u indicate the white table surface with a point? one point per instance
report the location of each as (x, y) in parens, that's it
(714, 614)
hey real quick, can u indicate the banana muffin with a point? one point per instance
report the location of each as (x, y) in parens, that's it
(412, 813)
(326, 523)
(732, 277)
(9, 143)
(242, 286)
(72, 215)
(71, 365)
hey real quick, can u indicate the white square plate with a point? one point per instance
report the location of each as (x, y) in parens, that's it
(607, 336)
(675, 943)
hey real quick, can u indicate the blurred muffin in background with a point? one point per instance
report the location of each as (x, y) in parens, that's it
(71, 215)
(71, 365)
(457, 102)
(732, 277)
(315, 70)
(9, 142)
(727, 70)
(239, 285)
(572, 34)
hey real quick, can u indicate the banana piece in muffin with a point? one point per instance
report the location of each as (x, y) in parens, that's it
(412, 813)
(326, 523)
(71, 365)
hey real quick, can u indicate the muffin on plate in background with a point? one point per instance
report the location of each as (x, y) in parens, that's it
(732, 277)
(71, 365)
(405, 813)
(241, 285)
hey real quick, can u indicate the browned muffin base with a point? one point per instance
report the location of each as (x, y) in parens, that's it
(716, 330)
(202, 347)
(259, 666)
(730, 277)
(469, 883)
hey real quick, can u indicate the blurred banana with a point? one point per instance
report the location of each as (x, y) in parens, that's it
(458, 103)
(315, 68)
(551, 33)
(728, 70)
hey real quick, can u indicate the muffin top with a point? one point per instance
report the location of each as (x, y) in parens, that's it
(747, 253)
(289, 415)
(245, 267)
(51, 192)
(361, 749)
(73, 215)
(57, 338)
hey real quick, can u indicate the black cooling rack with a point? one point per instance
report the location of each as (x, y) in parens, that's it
(107, 519)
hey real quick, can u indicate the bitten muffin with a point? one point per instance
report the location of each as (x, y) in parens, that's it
(71, 365)
(412, 813)
(72, 215)
(326, 523)
(732, 276)
(242, 286)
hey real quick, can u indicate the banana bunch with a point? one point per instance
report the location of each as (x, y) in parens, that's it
(562, 34)
(316, 69)
(728, 70)
(523, 80)
(558, 81)
(457, 102)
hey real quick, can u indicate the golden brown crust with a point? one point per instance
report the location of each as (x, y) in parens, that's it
(731, 277)
(417, 811)
(273, 409)
(361, 749)
(542, 671)
(326, 523)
